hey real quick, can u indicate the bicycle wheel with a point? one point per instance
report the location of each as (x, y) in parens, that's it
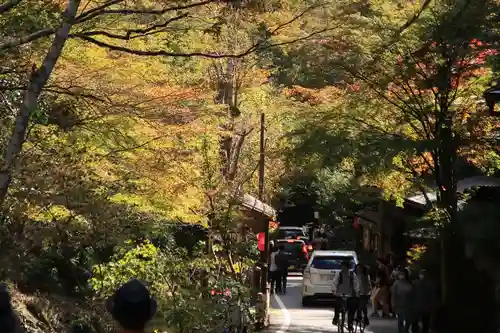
(359, 326)
(342, 321)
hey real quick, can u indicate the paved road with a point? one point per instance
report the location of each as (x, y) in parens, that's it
(288, 315)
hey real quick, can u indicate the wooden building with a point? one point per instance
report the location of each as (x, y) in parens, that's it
(385, 228)
(256, 214)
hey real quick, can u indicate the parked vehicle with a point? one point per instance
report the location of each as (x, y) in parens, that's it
(290, 232)
(297, 253)
(320, 271)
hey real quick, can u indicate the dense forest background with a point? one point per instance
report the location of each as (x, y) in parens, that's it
(121, 120)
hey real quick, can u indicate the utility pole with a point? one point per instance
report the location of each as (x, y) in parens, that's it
(265, 253)
(261, 160)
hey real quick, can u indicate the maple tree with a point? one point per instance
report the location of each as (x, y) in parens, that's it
(91, 24)
(435, 88)
(394, 96)
(411, 118)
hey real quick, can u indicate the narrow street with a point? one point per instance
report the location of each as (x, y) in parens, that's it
(288, 315)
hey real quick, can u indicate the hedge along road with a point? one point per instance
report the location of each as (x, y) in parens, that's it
(288, 315)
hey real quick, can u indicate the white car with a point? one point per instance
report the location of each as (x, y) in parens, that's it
(319, 272)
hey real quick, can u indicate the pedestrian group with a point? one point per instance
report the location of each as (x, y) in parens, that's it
(278, 269)
(413, 303)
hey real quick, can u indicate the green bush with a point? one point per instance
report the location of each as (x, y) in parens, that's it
(181, 285)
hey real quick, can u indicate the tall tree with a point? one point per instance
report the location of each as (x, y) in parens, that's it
(415, 107)
(124, 33)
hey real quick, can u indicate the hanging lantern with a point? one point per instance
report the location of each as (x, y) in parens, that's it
(261, 241)
(492, 98)
(356, 222)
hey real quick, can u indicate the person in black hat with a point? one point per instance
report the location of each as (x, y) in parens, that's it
(132, 306)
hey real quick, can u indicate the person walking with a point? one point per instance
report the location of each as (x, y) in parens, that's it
(282, 264)
(381, 294)
(365, 289)
(132, 306)
(426, 300)
(400, 297)
(274, 272)
(271, 250)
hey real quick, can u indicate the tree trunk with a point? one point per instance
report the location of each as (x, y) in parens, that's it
(37, 82)
(447, 195)
(231, 142)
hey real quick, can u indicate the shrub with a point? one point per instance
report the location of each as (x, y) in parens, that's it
(181, 285)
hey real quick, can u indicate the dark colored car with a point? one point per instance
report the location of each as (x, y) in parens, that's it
(296, 252)
(309, 244)
(290, 232)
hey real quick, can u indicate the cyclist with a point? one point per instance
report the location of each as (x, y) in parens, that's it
(365, 289)
(345, 283)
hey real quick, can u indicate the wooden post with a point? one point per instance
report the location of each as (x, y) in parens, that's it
(262, 156)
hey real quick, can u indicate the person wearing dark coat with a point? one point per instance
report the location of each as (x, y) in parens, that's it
(282, 264)
(425, 300)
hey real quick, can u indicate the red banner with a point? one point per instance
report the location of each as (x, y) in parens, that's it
(261, 241)
(356, 223)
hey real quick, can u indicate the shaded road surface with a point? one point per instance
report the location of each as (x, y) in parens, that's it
(288, 315)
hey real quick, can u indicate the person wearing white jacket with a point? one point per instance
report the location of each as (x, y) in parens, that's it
(345, 283)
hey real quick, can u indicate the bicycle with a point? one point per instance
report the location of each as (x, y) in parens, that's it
(343, 310)
(359, 325)
(360, 320)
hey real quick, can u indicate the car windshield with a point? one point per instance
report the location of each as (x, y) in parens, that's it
(290, 233)
(331, 262)
(293, 247)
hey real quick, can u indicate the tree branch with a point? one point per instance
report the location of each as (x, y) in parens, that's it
(406, 109)
(129, 33)
(415, 17)
(5, 7)
(98, 11)
(27, 39)
(90, 14)
(213, 55)
(138, 146)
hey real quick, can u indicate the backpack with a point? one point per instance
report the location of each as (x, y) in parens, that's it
(351, 280)
(281, 260)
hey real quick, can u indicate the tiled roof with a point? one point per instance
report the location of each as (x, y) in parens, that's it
(462, 186)
(368, 215)
(255, 204)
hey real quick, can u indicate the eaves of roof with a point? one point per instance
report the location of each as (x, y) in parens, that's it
(462, 185)
(254, 204)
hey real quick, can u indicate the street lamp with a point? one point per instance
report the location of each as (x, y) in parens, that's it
(492, 98)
